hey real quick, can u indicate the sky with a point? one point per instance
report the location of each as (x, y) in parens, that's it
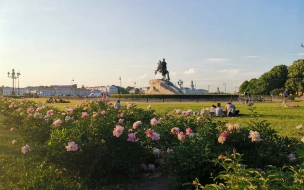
(93, 43)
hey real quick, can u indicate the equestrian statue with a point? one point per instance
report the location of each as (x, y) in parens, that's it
(162, 68)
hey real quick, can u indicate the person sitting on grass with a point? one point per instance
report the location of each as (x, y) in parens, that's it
(219, 110)
(212, 110)
(231, 110)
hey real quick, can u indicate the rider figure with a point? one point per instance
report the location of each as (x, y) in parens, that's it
(162, 68)
(164, 65)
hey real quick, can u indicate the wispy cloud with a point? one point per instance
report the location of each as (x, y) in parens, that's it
(172, 73)
(17, 7)
(251, 56)
(190, 71)
(216, 60)
(295, 54)
(145, 75)
(230, 71)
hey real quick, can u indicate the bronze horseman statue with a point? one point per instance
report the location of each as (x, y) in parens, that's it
(162, 68)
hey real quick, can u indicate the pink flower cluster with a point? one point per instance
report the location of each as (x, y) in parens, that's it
(201, 119)
(156, 151)
(132, 137)
(120, 115)
(136, 124)
(153, 135)
(175, 130)
(30, 110)
(39, 108)
(180, 135)
(154, 122)
(177, 111)
(121, 121)
(84, 115)
(69, 111)
(50, 112)
(222, 137)
(291, 157)
(186, 113)
(118, 131)
(188, 131)
(57, 123)
(169, 150)
(95, 115)
(231, 127)
(103, 112)
(255, 136)
(72, 146)
(25, 149)
(150, 167)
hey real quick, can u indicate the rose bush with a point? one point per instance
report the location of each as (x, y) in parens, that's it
(102, 145)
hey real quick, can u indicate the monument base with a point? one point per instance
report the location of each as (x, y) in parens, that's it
(158, 86)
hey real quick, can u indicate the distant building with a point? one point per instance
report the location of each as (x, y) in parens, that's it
(132, 91)
(192, 90)
(8, 91)
(82, 92)
(104, 89)
(46, 91)
(112, 89)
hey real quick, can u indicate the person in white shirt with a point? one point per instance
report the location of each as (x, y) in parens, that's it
(231, 110)
(108, 99)
(117, 105)
(219, 110)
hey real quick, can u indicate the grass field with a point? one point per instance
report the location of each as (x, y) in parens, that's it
(283, 119)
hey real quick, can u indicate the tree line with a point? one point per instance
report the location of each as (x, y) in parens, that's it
(277, 80)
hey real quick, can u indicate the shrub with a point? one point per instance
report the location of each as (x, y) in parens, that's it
(101, 145)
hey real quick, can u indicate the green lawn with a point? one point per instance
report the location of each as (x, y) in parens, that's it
(282, 119)
(10, 157)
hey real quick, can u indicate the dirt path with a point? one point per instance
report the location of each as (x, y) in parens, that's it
(155, 182)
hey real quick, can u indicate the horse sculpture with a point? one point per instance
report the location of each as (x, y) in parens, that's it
(162, 68)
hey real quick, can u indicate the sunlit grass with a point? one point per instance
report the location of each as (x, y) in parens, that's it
(283, 119)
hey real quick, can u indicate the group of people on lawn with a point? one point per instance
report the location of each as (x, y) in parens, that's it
(230, 110)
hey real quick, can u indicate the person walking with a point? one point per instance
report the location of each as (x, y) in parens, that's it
(285, 94)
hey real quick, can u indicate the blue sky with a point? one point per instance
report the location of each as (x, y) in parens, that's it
(94, 42)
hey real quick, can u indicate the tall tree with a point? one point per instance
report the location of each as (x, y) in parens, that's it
(274, 79)
(244, 87)
(1, 89)
(295, 81)
(122, 90)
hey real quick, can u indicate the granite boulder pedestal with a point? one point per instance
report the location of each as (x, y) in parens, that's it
(159, 86)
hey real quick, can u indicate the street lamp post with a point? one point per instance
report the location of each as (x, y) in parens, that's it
(134, 88)
(208, 88)
(235, 89)
(18, 74)
(225, 86)
(180, 83)
(13, 77)
(119, 86)
(72, 86)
